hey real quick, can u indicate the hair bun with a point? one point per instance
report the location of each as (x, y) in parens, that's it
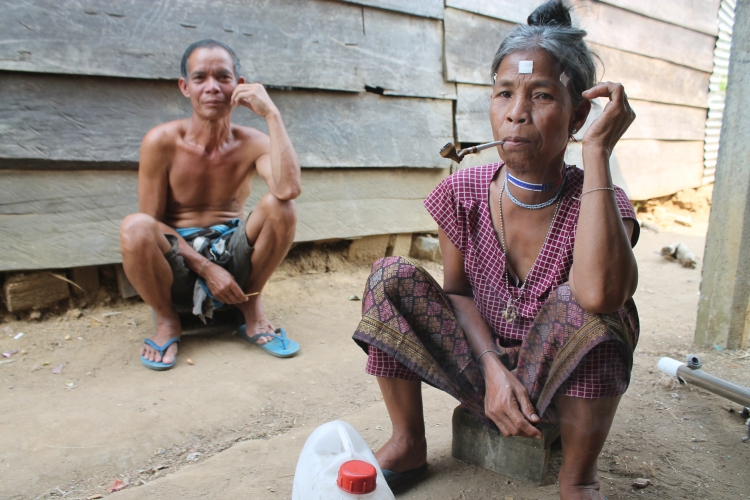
(552, 13)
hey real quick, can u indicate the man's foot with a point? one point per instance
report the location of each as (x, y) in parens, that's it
(166, 329)
(255, 319)
(402, 454)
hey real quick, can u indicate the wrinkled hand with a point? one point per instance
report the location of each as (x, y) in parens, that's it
(507, 403)
(222, 284)
(617, 116)
(254, 97)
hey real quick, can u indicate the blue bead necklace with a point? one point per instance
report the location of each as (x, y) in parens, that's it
(538, 205)
(539, 188)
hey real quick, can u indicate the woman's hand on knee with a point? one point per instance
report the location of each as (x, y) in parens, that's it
(507, 403)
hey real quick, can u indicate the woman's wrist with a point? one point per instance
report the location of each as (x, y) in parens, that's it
(594, 152)
(490, 364)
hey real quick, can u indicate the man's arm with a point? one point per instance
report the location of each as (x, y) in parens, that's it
(157, 150)
(278, 165)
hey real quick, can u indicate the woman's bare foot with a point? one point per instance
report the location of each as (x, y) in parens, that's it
(255, 319)
(578, 488)
(167, 327)
(401, 454)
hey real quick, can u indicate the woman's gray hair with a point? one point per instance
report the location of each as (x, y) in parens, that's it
(551, 29)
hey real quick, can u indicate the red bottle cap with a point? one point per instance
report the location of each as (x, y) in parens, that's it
(356, 476)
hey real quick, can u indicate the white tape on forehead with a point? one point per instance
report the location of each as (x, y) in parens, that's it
(564, 79)
(525, 67)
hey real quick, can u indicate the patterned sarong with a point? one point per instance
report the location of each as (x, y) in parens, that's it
(406, 315)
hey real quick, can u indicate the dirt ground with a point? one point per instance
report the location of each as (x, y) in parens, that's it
(232, 424)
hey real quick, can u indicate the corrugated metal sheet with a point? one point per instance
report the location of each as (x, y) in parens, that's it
(717, 89)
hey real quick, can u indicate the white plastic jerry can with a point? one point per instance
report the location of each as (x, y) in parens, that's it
(337, 464)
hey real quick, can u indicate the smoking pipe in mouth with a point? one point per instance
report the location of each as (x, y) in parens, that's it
(449, 150)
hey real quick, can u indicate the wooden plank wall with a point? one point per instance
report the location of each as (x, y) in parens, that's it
(369, 89)
(58, 219)
(660, 51)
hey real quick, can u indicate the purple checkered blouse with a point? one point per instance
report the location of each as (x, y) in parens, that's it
(459, 204)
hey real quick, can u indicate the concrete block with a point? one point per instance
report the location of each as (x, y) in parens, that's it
(400, 244)
(87, 278)
(426, 248)
(225, 320)
(368, 249)
(521, 458)
(126, 288)
(33, 291)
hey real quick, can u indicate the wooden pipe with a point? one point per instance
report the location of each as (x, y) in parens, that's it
(449, 150)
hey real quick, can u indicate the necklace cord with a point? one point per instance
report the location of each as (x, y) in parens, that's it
(510, 309)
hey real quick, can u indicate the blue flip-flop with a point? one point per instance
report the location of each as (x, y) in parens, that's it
(280, 346)
(158, 365)
(400, 480)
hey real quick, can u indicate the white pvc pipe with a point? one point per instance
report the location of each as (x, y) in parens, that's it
(724, 388)
(669, 366)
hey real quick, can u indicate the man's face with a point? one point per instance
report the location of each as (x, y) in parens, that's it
(210, 83)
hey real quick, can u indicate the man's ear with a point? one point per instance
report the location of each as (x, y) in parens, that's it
(183, 86)
(579, 117)
(240, 80)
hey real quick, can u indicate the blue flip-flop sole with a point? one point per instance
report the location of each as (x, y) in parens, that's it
(280, 346)
(158, 365)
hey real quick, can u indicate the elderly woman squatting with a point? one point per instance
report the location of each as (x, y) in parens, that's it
(535, 320)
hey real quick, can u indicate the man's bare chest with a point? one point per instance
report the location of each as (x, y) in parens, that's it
(194, 177)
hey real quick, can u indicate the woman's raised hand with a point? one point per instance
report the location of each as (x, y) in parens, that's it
(617, 116)
(507, 403)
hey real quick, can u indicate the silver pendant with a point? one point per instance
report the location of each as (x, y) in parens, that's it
(509, 314)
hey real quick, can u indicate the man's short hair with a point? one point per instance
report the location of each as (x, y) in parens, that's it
(208, 43)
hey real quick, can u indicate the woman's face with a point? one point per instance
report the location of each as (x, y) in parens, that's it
(533, 112)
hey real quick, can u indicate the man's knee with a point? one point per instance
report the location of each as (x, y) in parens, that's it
(135, 230)
(280, 211)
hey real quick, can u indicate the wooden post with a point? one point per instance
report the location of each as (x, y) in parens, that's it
(724, 305)
(87, 278)
(126, 289)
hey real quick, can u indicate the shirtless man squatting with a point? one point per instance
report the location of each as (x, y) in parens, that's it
(196, 173)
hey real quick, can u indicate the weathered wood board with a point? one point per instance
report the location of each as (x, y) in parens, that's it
(33, 291)
(70, 118)
(698, 16)
(507, 10)
(423, 8)
(659, 168)
(625, 30)
(297, 43)
(650, 79)
(648, 168)
(473, 113)
(653, 121)
(656, 121)
(54, 219)
(666, 121)
(643, 168)
(470, 44)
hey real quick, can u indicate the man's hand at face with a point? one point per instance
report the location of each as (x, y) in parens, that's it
(254, 97)
(222, 284)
